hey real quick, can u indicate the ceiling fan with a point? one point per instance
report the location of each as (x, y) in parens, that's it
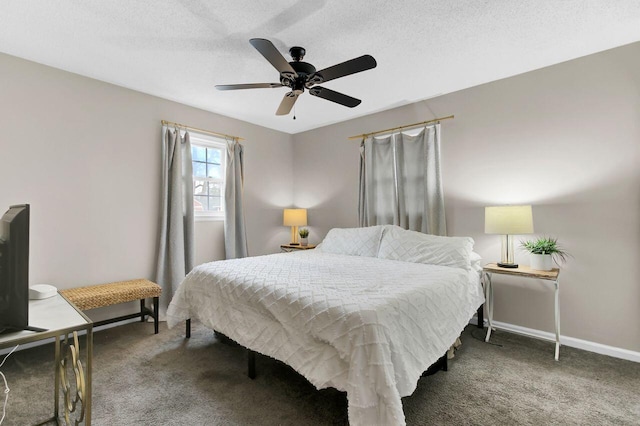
(298, 75)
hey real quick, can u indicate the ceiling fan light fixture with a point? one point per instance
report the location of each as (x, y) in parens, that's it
(315, 79)
(298, 75)
(298, 86)
(286, 82)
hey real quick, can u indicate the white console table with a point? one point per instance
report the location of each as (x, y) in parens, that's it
(526, 272)
(62, 321)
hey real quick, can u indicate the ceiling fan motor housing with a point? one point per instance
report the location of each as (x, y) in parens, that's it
(304, 70)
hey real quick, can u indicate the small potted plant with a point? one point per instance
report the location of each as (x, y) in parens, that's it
(304, 236)
(543, 251)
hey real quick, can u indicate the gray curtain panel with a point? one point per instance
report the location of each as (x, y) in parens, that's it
(235, 235)
(176, 245)
(400, 182)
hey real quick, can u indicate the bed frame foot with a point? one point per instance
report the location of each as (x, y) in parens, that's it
(188, 328)
(481, 316)
(156, 314)
(440, 364)
(251, 355)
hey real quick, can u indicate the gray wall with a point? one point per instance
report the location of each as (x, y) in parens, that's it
(565, 139)
(86, 156)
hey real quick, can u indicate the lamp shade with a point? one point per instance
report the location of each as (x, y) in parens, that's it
(508, 220)
(295, 217)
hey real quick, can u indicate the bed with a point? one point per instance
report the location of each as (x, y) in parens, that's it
(366, 312)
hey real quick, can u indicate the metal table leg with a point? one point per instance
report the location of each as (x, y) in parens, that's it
(73, 379)
(56, 386)
(89, 342)
(488, 289)
(557, 312)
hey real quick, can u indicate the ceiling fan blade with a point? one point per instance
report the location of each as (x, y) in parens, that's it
(333, 96)
(248, 86)
(287, 103)
(363, 63)
(271, 54)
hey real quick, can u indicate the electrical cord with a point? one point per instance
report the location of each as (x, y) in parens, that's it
(6, 386)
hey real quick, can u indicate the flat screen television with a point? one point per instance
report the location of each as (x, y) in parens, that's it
(14, 270)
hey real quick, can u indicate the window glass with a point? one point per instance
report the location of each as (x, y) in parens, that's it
(214, 155)
(199, 169)
(198, 153)
(213, 170)
(208, 175)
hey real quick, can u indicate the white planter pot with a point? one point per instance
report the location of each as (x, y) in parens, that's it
(304, 241)
(541, 262)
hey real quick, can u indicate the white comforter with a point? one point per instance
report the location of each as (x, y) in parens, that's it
(363, 325)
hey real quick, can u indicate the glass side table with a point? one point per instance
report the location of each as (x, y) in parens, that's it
(62, 321)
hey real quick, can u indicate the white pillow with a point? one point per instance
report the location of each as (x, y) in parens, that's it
(476, 261)
(416, 247)
(353, 241)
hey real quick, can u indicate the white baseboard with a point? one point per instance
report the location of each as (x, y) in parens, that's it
(530, 332)
(566, 341)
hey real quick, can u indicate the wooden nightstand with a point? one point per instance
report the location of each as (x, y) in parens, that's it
(526, 272)
(287, 248)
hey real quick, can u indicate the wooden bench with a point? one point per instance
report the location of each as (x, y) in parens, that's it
(101, 295)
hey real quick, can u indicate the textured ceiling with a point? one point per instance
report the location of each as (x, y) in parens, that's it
(180, 49)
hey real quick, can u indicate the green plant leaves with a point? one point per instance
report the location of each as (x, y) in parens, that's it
(546, 245)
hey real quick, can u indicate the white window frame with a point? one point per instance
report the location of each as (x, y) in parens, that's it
(210, 141)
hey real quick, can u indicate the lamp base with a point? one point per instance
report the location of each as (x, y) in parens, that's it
(294, 244)
(507, 265)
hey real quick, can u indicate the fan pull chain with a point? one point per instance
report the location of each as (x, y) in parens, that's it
(294, 112)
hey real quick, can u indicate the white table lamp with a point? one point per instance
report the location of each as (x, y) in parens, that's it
(508, 221)
(294, 218)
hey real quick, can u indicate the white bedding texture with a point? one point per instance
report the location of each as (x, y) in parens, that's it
(360, 324)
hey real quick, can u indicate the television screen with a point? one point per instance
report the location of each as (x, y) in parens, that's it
(14, 269)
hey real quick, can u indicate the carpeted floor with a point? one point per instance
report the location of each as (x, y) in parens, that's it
(144, 379)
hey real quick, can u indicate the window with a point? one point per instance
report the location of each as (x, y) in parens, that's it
(208, 158)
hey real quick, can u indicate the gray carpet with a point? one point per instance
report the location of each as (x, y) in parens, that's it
(145, 379)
